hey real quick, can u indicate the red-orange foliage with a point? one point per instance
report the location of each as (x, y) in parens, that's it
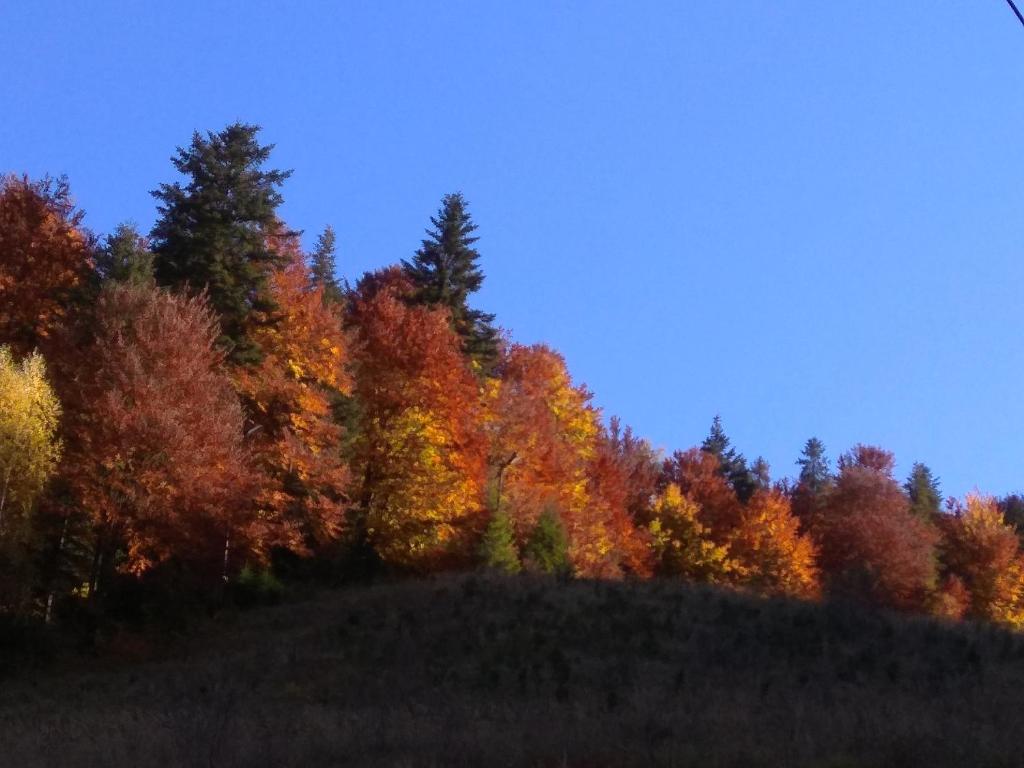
(617, 479)
(765, 548)
(560, 460)
(696, 473)
(422, 452)
(983, 552)
(640, 464)
(871, 544)
(156, 450)
(45, 257)
(288, 398)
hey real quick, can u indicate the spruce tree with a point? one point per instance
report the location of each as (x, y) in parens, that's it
(125, 257)
(815, 474)
(498, 548)
(923, 489)
(731, 465)
(1012, 507)
(445, 272)
(762, 473)
(323, 263)
(212, 232)
(547, 549)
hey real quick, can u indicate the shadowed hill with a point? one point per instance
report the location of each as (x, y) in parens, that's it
(478, 671)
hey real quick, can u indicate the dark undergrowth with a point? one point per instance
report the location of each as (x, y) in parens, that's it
(489, 671)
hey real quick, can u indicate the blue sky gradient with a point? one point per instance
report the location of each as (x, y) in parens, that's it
(804, 216)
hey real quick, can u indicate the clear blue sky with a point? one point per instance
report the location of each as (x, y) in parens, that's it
(806, 216)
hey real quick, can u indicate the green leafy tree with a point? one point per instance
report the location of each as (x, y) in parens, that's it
(125, 257)
(323, 266)
(498, 549)
(213, 232)
(731, 465)
(547, 549)
(445, 272)
(922, 488)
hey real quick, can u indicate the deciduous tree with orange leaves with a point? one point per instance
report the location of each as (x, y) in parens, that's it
(155, 447)
(983, 553)
(288, 396)
(546, 438)
(760, 541)
(778, 559)
(46, 261)
(696, 473)
(422, 453)
(871, 545)
(622, 479)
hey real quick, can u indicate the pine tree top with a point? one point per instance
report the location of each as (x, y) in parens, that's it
(815, 472)
(731, 465)
(212, 231)
(125, 256)
(923, 489)
(323, 266)
(446, 272)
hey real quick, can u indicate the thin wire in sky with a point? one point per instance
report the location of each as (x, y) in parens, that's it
(1014, 8)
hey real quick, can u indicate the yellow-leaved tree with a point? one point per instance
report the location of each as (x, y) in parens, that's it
(421, 453)
(684, 545)
(29, 450)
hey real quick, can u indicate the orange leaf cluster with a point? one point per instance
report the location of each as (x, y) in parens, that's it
(44, 259)
(289, 402)
(422, 452)
(155, 447)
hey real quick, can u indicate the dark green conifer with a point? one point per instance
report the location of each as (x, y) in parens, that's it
(762, 473)
(923, 489)
(815, 473)
(731, 465)
(125, 257)
(445, 272)
(323, 266)
(212, 232)
(1012, 507)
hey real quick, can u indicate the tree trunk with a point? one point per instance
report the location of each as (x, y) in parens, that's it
(51, 594)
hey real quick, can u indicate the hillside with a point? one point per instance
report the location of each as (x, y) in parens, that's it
(478, 671)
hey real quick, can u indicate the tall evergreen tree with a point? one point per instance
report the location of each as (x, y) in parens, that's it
(762, 473)
(923, 489)
(125, 257)
(212, 232)
(445, 272)
(815, 473)
(731, 465)
(323, 263)
(1012, 507)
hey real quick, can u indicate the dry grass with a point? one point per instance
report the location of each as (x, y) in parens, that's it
(522, 672)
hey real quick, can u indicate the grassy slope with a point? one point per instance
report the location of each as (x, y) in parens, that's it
(472, 671)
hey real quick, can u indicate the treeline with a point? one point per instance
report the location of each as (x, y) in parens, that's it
(208, 406)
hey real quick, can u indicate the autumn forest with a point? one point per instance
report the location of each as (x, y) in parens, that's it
(207, 410)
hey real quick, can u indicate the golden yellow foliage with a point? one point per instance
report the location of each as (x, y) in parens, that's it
(29, 448)
(684, 545)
